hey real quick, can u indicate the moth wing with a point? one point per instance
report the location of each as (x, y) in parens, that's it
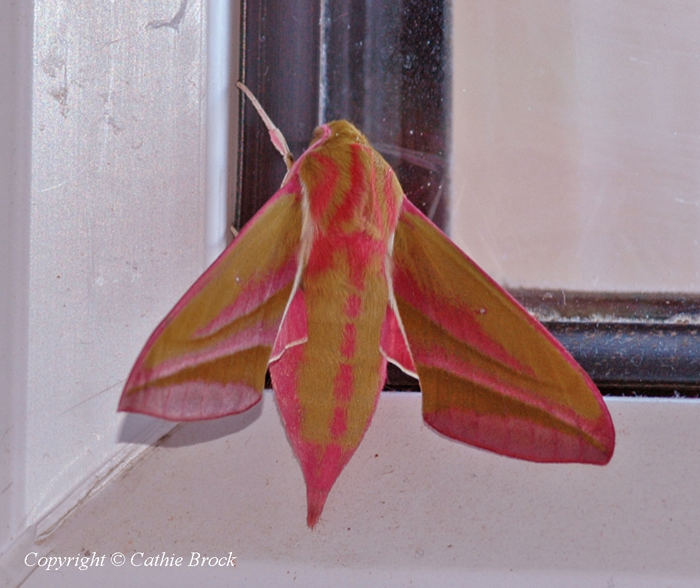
(208, 357)
(491, 375)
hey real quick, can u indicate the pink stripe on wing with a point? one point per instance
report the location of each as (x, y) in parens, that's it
(253, 295)
(259, 335)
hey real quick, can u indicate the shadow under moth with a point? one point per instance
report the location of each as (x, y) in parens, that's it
(337, 274)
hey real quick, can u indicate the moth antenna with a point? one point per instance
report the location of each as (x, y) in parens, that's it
(276, 135)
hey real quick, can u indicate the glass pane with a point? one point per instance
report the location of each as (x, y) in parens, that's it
(576, 142)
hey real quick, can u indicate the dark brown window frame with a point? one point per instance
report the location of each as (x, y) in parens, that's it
(397, 91)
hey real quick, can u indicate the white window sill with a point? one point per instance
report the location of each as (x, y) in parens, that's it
(411, 506)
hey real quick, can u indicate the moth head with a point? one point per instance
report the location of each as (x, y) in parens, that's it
(341, 131)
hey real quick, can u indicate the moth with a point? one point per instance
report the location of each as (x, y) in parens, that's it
(336, 275)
